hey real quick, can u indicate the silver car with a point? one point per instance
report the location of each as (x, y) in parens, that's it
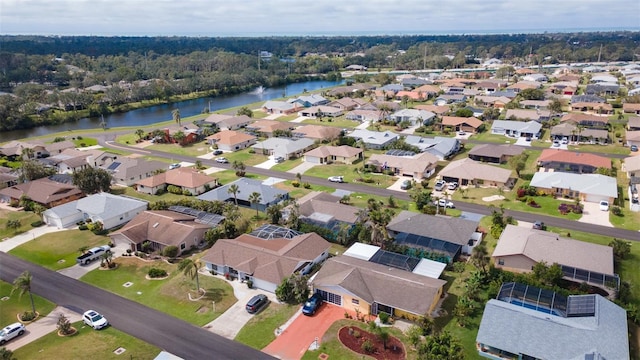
(11, 331)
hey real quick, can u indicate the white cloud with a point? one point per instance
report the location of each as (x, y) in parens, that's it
(229, 17)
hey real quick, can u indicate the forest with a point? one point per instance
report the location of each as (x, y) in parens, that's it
(48, 74)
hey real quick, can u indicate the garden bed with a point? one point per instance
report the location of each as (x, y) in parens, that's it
(353, 337)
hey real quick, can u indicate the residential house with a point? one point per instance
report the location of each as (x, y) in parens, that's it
(58, 147)
(325, 211)
(470, 172)
(127, 171)
(535, 77)
(110, 210)
(347, 103)
(524, 85)
(444, 237)
(414, 116)
(526, 114)
(580, 134)
(317, 132)
(269, 195)
(494, 153)
(231, 140)
(414, 82)
(284, 147)
(586, 187)
(586, 120)
(310, 100)
(516, 129)
(632, 138)
(281, 107)
(633, 123)
(565, 88)
(228, 122)
(420, 166)
(631, 108)
(394, 88)
(457, 123)
(593, 108)
(428, 90)
(535, 104)
(410, 95)
(356, 67)
(72, 160)
(569, 161)
(587, 99)
(321, 111)
(603, 89)
(497, 102)
(439, 146)
(161, 228)
(333, 154)
(45, 191)
(342, 91)
(362, 115)
(266, 262)
(371, 288)
(525, 322)
(374, 139)
(490, 86)
(631, 165)
(268, 127)
(14, 149)
(450, 99)
(214, 119)
(520, 248)
(187, 179)
(438, 110)
(7, 177)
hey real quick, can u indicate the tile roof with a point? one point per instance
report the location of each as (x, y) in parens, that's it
(342, 151)
(469, 169)
(43, 191)
(494, 150)
(580, 117)
(418, 163)
(378, 283)
(454, 230)
(632, 163)
(184, 177)
(539, 245)
(457, 120)
(436, 109)
(318, 132)
(571, 157)
(230, 137)
(270, 126)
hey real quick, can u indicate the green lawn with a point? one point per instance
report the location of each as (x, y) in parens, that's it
(350, 174)
(246, 157)
(129, 191)
(58, 250)
(195, 149)
(340, 122)
(607, 149)
(287, 165)
(494, 138)
(85, 141)
(260, 330)
(170, 295)
(15, 304)
(228, 176)
(25, 217)
(87, 343)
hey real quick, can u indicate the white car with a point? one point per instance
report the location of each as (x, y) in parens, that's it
(222, 160)
(174, 166)
(11, 331)
(444, 203)
(452, 185)
(556, 143)
(94, 319)
(604, 205)
(337, 179)
(440, 184)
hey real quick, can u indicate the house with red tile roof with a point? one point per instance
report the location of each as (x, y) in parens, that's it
(317, 132)
(266, 127)
(570, 161)
(187, 179)
(630, 108)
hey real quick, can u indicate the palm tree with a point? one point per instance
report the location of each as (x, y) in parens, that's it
(176, 116)
(23, 284)
(140, 133)
(363, 146)
(106, 258)
(480, 257)
(255, 198)
(179, 136)
(234, 189)
(190, 267)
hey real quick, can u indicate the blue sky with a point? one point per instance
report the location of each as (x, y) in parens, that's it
(319, 17)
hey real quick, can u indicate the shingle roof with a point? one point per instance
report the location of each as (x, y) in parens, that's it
(632, 163)
(591, 184)
(532, 127)
(284, 146)
(494, 150)
(247, 186)
(107, 205)
(312, 203)
(161, 226)
(539, 245)
(469, 169)
(457, 120)
(230, 137)
(184, 177)
(453, 230)
(342, 151)
(318, 132)
(379, 283)
(570, 157)
(416, 164)
(43, 191)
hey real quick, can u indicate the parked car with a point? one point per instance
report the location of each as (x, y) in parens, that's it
(11, 331)
(539, 225)
(217, 152)
(94, 319)
(337, 179)
(312, 305)
(528, 139)
(634, 148)
(565, 140)
(604, 205)
(406, 185)
(440, 184)
(444, 203)
(462, 133)
(174, 166)
(556, 143)
(257, 303)
(92, 254)
(279, 159)
(452, 185)
(222, 160)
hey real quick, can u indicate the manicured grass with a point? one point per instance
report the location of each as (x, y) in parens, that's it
(340, 122)
(228, 176)
(195, 149)
(260, 330)
(169, 295)
(25, 217)
(287, 165)
(87, 343)
(246, 157)
(58, 250)
(127, 139)
(85, 141)
(350, 174)
(128, 191)
(15, 305)
(607, 149)
(495, 138)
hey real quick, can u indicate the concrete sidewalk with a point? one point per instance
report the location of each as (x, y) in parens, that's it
(20, 239)
(42, 327)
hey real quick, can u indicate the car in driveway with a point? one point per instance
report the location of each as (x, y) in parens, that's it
(222, 160)
(539, 225)
(11, 331)
(556, 143)
(452, 185)
(444, 203)
(279, 159)
(406, 185)
(440, 184)
(336, 179)
(634, 148)
(312, 305)
(94, 319)
(217, 152)
(256, 303)
(604, 205)
(174, 166)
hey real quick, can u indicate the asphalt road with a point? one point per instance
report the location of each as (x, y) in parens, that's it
(166, 332)
(470, 207)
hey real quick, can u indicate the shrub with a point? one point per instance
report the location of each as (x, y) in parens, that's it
(615, 210)
(384, 317)
(37, 223)
(521, 193)
(533, 204)
(250, 284)
(171, 251)
(27, 316)
(174, 190)
(356, 334)
(186, 192)
(367, 346)
(295, 183)
(100, 231)
(306, 185)
(157, 273)
(64, 325)
(368, 180)
(83, 227)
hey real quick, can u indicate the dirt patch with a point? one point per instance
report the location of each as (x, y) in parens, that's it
(353, 337)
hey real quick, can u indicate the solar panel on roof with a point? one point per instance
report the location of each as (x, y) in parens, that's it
(113, 165)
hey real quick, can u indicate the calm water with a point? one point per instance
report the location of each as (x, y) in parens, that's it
(162, 112)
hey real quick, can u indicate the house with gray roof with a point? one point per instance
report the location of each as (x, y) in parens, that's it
(391, 87)
(269, 195)
(586, 187)
(284, 147)
(110, 210)
(586, 99)
(438, 146)
(373, 139)
(325, 210)
(527, 322)
(310, 100)
(127, 171)
(513, 128)
(602, 89)
(528, 114)
(281, 107)
(470, 172)
(445, 99)
(445, 237)
(414, 116)
(579, 135)
(318, 111)
(494, 153)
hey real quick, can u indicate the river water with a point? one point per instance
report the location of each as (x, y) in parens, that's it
(158, 113)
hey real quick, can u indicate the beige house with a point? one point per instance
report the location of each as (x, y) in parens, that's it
(317, 132)
(520, 248)
(230, 140)
(267, 127)
(45, 191)
(457, 123)
(187, 179)
(469, 172)
(329, 154)
(419, 166)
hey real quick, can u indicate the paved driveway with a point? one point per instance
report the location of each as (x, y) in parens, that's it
(231, 321)
(267, 164)
(302, 168)
(398, 184)
(593, 215)
(42, 327)
(302, 332)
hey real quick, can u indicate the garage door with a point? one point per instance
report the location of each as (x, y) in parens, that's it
(596, 198)
(331, 297)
